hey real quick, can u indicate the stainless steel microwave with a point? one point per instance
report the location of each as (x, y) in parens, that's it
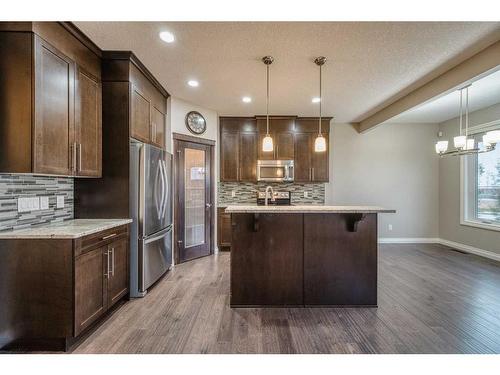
(275, 170)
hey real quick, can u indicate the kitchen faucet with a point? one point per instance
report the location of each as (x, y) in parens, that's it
(269, 187)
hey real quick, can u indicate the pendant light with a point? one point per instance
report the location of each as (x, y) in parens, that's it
(267, 142)
(320, 141)
(464, 145)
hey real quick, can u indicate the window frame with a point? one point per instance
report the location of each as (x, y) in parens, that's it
(464, 188)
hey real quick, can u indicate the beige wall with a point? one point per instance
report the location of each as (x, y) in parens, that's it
(393, 166)
(449, 191)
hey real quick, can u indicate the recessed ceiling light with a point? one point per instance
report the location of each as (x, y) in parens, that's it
(167, 36)
(316, 100)
(193, 83)
(246, 99)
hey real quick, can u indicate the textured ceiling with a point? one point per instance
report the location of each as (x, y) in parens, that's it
(369, 64)
(483, 93)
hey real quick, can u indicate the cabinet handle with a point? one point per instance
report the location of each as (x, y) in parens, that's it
(312, 171)
(154, 132)
(108, 236)
(112, 261)
(310, 174)
(106, 274)
(73, 157)
(79, 157)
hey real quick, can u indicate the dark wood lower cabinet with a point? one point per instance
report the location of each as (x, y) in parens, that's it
(266, 260)
(224, 230)
(340, 266)
(90, 287)
(53, 290)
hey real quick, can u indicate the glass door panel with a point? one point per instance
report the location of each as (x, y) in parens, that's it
(195, 200)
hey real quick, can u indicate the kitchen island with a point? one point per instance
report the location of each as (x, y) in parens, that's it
(304, 255)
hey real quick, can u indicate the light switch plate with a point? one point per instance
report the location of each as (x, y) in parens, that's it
(60, 201)
(233, 193)
(306, 194)
(44, 203)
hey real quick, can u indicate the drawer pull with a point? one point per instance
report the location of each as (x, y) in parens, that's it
(109, 236)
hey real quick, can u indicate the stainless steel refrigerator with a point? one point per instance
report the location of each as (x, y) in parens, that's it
(151, 206)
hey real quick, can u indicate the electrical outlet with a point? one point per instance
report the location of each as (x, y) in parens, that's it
(390, 226)
(233, 193)
(44, 203)
(60, 201)
(27, 204)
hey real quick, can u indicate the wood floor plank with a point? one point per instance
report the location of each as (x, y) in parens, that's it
(431, 300)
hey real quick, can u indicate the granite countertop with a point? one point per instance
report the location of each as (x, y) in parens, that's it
(306, 209)
(68, 229)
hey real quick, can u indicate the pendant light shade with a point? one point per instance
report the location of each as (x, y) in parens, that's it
(267, 142)
(320, 141)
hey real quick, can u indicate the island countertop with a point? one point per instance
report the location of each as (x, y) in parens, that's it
(68, 229)
(303, 209)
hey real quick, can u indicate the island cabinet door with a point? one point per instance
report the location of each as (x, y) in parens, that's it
(340, 259)
(266, 260)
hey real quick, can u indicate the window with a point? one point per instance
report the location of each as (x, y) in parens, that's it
(481, 187)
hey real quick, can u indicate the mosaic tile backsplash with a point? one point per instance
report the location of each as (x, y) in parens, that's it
(246, 192)
(13, 186)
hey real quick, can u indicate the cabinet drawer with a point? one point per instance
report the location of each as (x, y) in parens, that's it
(87, 243)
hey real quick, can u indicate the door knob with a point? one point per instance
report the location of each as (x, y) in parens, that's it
(208, 205)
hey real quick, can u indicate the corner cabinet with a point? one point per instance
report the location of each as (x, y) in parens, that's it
(66, 286)
(50, 114)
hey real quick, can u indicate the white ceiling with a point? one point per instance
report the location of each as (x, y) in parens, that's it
(483, 93)
(369, 63)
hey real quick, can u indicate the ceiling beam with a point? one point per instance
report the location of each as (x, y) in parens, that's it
(479, 64)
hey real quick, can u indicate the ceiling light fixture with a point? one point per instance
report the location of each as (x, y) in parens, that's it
(193, 83)
(167, 37)
(320, 141)
(267, 142)
(464, 145)
(316, 100)
(246, 99)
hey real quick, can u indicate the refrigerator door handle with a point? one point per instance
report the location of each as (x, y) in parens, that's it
(158, 236)
(157, 192)
(163, 187)
(166, 191)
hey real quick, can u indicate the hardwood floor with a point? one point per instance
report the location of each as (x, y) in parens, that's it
(431, 300)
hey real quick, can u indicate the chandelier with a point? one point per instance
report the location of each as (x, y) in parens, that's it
(462, 143)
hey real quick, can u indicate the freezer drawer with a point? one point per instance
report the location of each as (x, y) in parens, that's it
(156, 256)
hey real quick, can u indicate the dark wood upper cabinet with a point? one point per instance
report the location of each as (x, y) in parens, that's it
(140, 125)
(57, 126)
(54, 120)
(293, 137)
(158, 127)
(284, 146)
(230, 156)
(148, 99)
(88, 124)
(302, 164)
(248, 157)
(238, 149)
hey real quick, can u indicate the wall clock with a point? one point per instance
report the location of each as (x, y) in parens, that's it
(196, 123)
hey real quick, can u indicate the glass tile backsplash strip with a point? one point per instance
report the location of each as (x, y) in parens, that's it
(13, 186)
(245, 192)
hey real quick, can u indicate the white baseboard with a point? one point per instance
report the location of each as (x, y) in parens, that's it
(471, 249)
(468, 249)
(407, 240)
